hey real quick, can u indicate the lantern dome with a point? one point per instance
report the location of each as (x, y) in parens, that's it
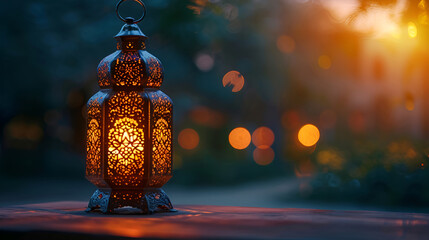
(131, 65)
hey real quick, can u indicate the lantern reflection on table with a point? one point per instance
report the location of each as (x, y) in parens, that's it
(129, 128)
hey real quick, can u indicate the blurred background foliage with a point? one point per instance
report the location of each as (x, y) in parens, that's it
(355, 70)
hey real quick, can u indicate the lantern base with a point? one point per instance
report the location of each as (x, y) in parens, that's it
(149, 200)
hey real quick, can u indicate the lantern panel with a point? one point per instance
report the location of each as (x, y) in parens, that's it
(93, 148)
(126, 139)
(94, 138)
(154, 69)
(103, 70)
(161, 138)
(128, 70)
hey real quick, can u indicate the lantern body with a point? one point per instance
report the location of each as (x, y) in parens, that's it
(129, 129)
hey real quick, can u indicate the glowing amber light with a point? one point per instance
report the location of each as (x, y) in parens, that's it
(234, 79)
(93, 146)
(126, 147)
(285, 44)
(308, 135)
(189, 139)
(129, 129)
(239, 138)
(422, 5)
(263, 137)
(324, 62)
(263, 157)
(412, 30)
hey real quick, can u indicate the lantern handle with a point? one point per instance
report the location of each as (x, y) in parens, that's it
(130, 20)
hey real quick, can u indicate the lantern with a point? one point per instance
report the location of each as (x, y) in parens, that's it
(129, 128)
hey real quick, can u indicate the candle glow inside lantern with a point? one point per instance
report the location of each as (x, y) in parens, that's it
(129, 128)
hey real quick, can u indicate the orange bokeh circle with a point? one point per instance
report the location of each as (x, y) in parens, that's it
(263, 137)
(239, 138)
(188, 139)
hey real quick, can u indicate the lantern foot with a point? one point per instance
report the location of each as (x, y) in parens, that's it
(149, 200)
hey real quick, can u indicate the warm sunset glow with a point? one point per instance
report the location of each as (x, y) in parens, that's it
(412, 30)
(263, 137)
(285, 44)
(239, 138)
(380, 22)
(263, 157)
(308, 135)
(422, 5)
(324, 62)
(188, 139)
(234, 79)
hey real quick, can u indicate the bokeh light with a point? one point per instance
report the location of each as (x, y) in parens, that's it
(285, 44)
(239, 138)
(330, 158)
(409, 101)
(263, 157)
(409, 105)
(204, 62)
(230, 11)
(188, 139)
(263, 137)
(234, 79)
(308, 135)
(21, 130)
(207, 117)
(412, 30)
(324, 62)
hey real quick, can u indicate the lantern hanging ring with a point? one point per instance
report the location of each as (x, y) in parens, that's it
(130, 20)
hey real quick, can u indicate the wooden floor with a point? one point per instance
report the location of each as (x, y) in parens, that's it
(67, 220)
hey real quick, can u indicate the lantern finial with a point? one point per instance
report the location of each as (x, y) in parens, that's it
(130, 20)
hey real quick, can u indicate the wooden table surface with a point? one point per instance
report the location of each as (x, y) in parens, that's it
(68, 220)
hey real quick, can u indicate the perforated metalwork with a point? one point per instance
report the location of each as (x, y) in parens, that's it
(99, 199)
(131, 45)
(93, 148)
(148, 201)
(128, 70)
(126, 139)
(161, 134)
(161, 150)
(93, 140)
(103, 70)
(126, 148)
(155, 70)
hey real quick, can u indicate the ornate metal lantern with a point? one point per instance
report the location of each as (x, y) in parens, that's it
(129, 127)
